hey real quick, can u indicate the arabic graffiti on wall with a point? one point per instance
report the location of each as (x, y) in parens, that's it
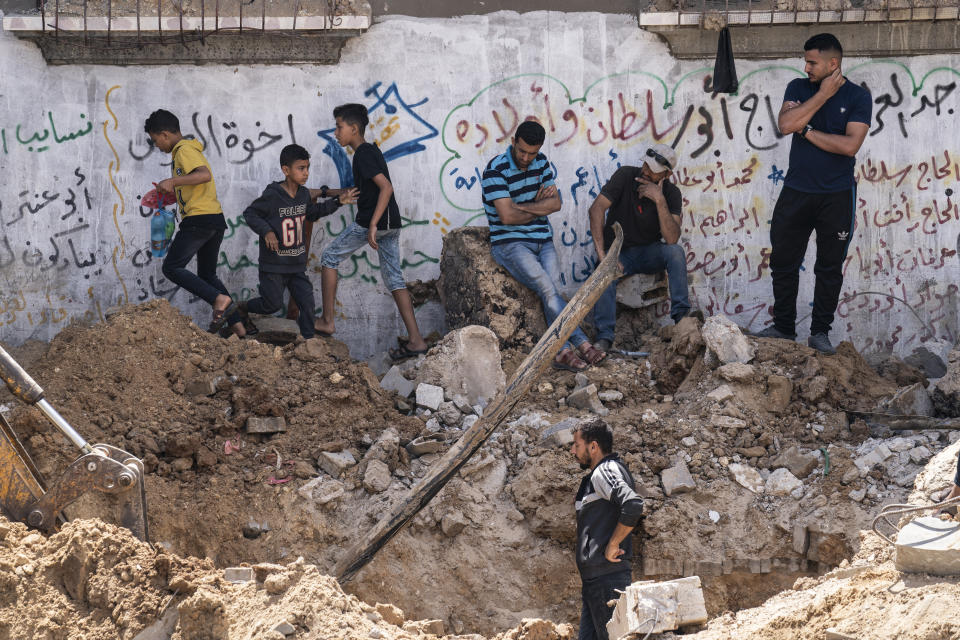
(74, 237)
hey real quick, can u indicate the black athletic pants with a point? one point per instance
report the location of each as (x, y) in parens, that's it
(796, 215)
(271, 297)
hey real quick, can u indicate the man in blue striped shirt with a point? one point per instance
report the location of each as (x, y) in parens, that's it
(518, 195)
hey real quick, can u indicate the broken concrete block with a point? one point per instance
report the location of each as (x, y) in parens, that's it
(677, 479)
(335, 462)
(727, 422)
(580, 381)
(386, 448)
(800, 464)
(876, 456)
(782, 483)
(200, 387)
(610, 395)
(587, 398)
(746, 477)
(376, 479)
(449, 414)
(725, 339)
(276, 330)
(466, 362)
(394, 381)
(800, 539)
(911, 401)
(560, 434)
(453, 523)
(721, 393)
(919, 455)
(899, 445)
(269, 424)
(238, 574)
(429, 396)
(654, 607)
(779, 391)
(929, 545)
(321, 490)
(737, 372)
(462, 403)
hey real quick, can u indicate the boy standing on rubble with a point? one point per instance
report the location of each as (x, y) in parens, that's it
(278, 216)
(377, 224)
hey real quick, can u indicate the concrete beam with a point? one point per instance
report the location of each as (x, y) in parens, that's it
(255, 48)
(786, 40)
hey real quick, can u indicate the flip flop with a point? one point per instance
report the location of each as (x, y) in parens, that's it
(220, 316)
(404, 352)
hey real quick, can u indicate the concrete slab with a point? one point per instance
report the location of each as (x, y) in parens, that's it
(654, 607)
(929, 545)
(266, 425)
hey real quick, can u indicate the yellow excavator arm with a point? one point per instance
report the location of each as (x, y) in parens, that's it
(102, 467)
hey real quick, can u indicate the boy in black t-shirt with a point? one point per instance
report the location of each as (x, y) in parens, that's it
(278, 217)
(377, 224)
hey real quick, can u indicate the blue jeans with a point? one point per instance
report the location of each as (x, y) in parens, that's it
(648, 258)
(595, 614)
(535, 266)
(354, 237)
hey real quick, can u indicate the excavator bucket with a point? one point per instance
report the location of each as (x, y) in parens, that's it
(102, 468)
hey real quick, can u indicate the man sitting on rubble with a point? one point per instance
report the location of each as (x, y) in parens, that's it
(518, 195)
(608, 509)
(648, 207)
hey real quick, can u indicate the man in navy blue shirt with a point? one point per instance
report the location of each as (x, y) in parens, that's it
(829, 117)
(518, 195)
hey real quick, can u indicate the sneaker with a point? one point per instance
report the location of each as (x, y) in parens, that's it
(693, 313)
(821, 343)
(603, 344)
(772, 332)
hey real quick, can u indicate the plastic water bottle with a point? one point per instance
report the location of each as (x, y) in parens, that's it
(158, 234)
(170, 226)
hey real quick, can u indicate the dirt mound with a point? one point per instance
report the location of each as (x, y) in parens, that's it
(867, 598)
(95, 581)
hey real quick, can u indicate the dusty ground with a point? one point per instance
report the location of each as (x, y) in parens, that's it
(493, 548)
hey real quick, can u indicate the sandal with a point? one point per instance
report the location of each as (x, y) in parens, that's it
(591, 354)
(220, 316)
(567, 360)
(404, 352)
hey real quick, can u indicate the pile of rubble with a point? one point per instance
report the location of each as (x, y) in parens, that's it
(752, 473)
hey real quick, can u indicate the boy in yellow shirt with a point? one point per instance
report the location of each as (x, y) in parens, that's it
(202, 225)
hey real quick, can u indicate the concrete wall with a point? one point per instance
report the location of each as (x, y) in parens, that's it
(445, 95)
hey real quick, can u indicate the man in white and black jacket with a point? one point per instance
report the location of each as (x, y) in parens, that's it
(608, 509)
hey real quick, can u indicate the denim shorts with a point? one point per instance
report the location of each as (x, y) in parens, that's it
(354, 237)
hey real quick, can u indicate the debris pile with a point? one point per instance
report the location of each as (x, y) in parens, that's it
(752, 473)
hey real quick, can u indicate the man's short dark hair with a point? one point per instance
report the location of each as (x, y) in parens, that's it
(824, 43)
(596, 430)
(531, 132)
(291, 153)
(161, 120)
(353, 113)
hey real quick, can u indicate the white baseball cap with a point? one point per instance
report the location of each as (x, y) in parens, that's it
(660, 157)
